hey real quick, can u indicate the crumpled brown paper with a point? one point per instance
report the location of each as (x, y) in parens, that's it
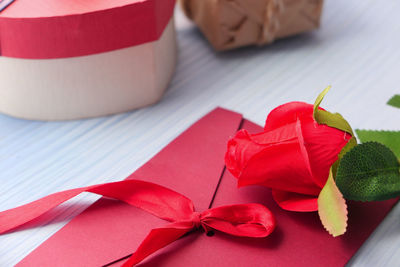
(229, 24)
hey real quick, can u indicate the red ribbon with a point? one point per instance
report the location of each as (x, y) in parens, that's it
(246, 220)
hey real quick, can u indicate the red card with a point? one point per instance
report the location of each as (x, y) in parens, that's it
(193, 165)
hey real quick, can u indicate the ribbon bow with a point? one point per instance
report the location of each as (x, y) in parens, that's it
(246, 220)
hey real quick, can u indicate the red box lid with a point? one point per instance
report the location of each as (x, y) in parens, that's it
(69, 28)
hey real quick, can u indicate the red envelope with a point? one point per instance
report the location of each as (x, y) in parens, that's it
(193, 164)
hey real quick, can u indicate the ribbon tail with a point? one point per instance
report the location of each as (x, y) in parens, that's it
(157, 239)
(13, 218)
(155, 199)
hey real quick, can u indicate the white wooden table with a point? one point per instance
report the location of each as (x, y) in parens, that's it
(357, 50)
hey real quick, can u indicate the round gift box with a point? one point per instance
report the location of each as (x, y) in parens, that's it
(71, 59)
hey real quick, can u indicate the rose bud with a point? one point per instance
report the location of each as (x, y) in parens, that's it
(292, 156)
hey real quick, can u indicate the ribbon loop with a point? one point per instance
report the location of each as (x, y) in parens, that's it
(245, 220)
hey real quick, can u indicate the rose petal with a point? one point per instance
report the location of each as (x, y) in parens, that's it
(238, 152)
(322, 142)
(295, 202)
(288, 113)
(280, 167)
(323, 145)
(276, 159)
(244, 146)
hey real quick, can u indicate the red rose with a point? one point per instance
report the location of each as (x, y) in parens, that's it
(292, 156)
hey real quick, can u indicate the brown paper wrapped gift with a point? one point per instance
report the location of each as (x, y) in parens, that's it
(229, 24)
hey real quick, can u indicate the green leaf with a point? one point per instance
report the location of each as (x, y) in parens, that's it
(332, 208)
(391, 139)
(319, 99)
(334, 120)
(394, 101)
(352, 143)
(369, 172)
